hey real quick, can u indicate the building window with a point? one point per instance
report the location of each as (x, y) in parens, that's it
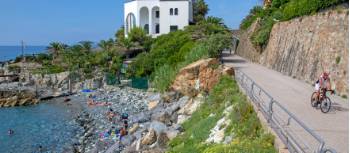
(171, 11)
(176, 11)
(146, 28)
(173, 28)
(157, 14)
(157, 28)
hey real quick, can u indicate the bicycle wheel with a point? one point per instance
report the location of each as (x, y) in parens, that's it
(314, 99)
(326, 105)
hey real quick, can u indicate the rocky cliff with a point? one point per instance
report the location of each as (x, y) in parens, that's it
(305, 47)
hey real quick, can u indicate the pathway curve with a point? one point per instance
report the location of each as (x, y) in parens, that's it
(294, 95)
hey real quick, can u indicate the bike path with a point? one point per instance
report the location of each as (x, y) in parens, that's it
(295, 95)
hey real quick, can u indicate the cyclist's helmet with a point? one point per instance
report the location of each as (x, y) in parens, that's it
(325, 75)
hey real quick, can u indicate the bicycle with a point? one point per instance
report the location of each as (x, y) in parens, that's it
(324, 102)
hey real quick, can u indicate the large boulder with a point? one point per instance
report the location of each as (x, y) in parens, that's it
(149, 138)
(199, 76)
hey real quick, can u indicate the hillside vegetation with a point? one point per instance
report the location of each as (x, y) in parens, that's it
(169, 53)
(281, 10)
(244, 125)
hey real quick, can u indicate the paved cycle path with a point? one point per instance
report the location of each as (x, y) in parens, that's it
(295, 95)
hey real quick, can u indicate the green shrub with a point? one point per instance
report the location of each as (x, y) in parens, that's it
(14, 68)
(173, 51)
(254, 13)
(298, 8)
(49, 69)
(163, 77)
(180, 56)
(163, 48)
(42, 58)
(278, 3)
(281, 10)
(262, 35)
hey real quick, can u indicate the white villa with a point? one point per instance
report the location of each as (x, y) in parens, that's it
(157, 17)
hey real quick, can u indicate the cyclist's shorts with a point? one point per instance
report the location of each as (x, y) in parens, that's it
(317, 86)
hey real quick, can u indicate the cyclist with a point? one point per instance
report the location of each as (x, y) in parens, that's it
(322, 83)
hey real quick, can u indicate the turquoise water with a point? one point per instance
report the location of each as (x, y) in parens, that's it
(49, 124)
(11, 52)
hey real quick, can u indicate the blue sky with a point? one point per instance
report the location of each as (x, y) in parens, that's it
(39, 22)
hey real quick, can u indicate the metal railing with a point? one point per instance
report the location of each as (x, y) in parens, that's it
(293, 132)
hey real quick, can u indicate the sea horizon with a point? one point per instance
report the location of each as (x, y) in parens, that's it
(10, 52)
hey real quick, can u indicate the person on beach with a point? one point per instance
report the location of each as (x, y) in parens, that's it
(110, 115)
(126, 124)
(122, 133)
(124, 116)
(90, 101)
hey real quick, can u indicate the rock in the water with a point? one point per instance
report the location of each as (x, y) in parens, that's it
(149, 138)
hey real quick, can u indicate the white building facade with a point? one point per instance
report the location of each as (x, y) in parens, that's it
(157, 17)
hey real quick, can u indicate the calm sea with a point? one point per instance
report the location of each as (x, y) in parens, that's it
(11, 52)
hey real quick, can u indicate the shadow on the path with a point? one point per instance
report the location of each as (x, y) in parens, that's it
(233, 61)
(338, 107)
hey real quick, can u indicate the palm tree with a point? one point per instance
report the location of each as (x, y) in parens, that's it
(86, 45)
(127, 43)
(55, 48)
(214, 20)
(106, 45)
(200, 10)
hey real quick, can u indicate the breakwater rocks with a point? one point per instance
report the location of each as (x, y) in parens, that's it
(10, 98)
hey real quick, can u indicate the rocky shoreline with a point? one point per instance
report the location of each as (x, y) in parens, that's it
(154, 119)
(94, 121)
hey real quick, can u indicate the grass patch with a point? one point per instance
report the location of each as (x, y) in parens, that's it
(245, 126)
